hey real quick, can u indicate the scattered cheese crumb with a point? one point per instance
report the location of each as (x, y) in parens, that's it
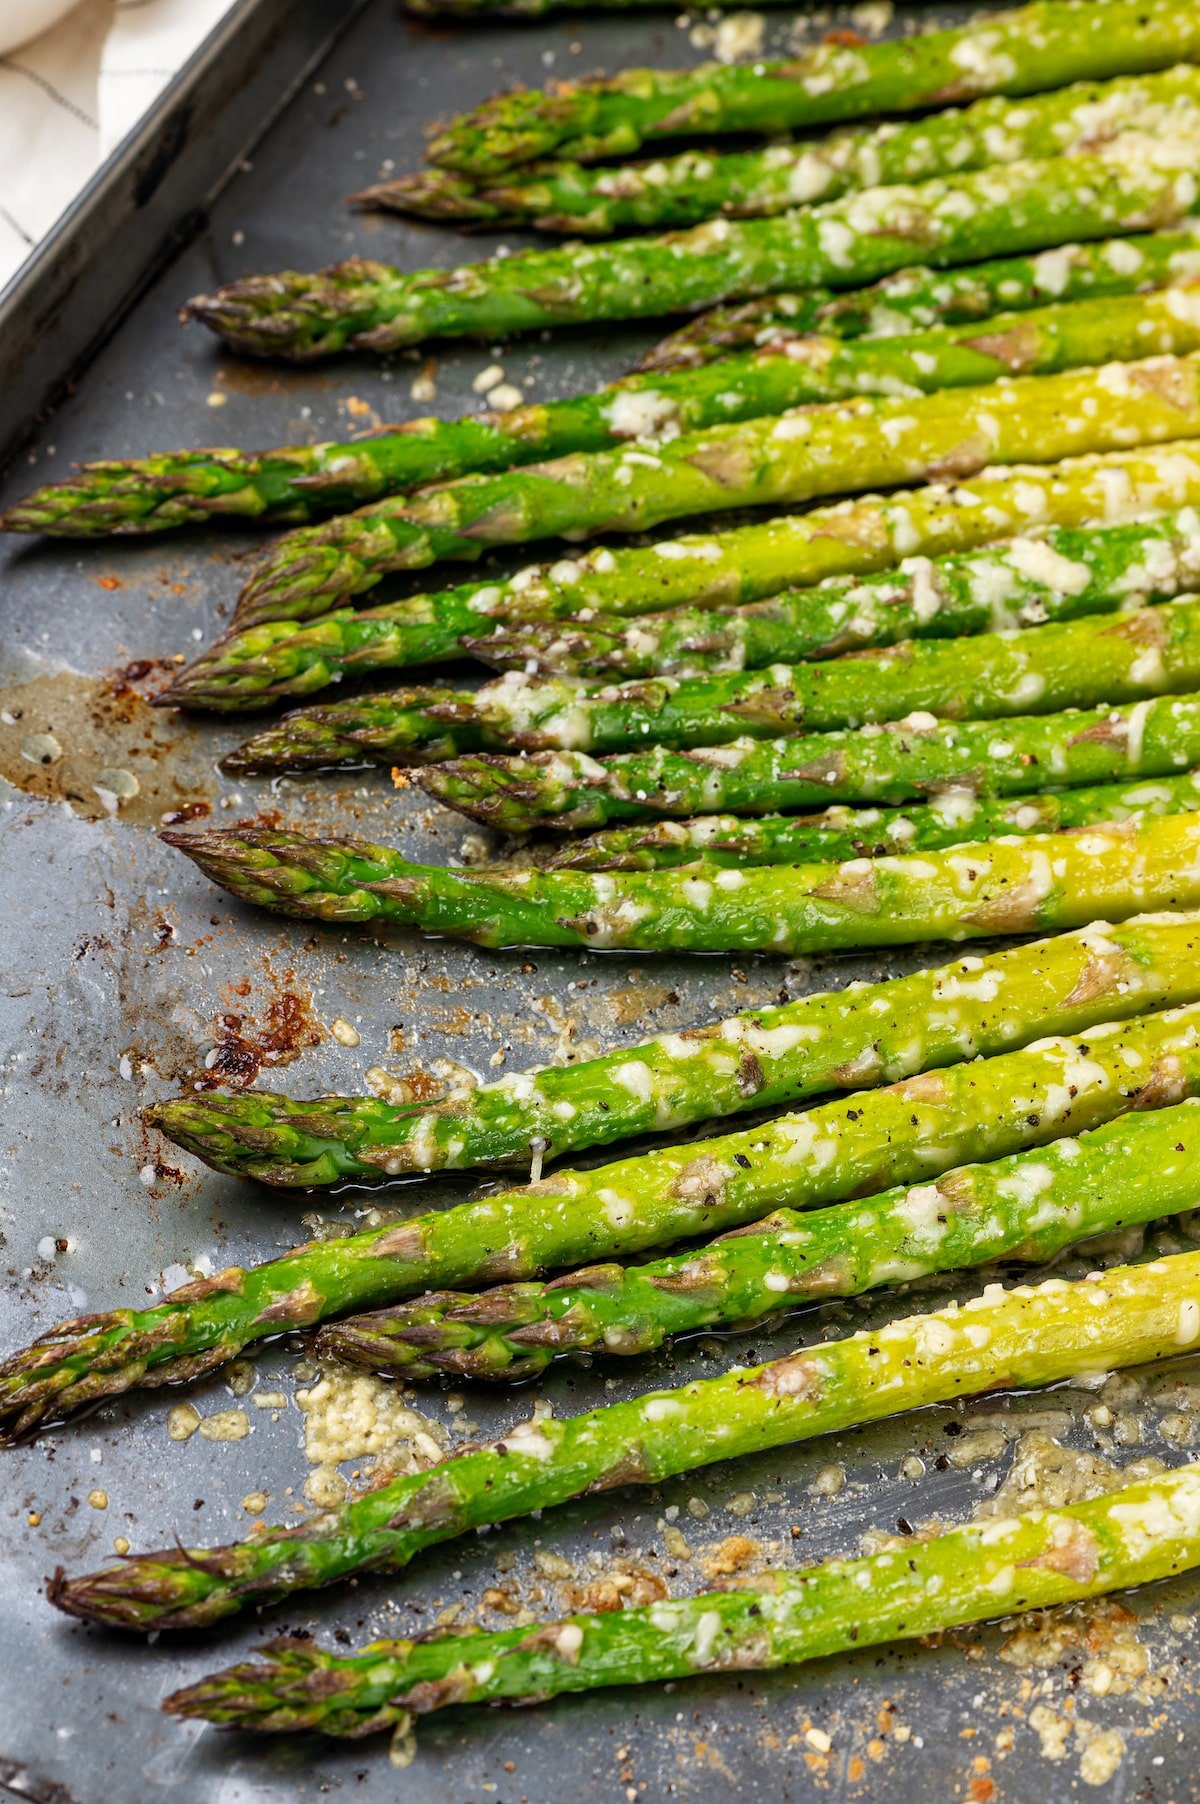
(226, 1425)
(344, 1034)
(183, 1421)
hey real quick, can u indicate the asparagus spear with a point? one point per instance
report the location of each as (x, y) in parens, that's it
(1025, 1336)
(743, 564)
(949, 819)
(1130, 183)
(1022, 52)
(919, 299)
(1143, 1531)
(1057, 575)
(863, 1035)
(1047, 881)
(172, 489)
(273, 658)
(1077, 663)
(830, 1040)
(1027, 1205)
(797, 456)
(902, 761)
(695, 185)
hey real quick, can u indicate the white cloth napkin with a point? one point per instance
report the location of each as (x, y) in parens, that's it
(70, 96)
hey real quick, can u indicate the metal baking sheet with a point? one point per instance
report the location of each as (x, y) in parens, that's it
(126, 976)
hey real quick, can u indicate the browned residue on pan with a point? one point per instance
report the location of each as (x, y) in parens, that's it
(97, 745)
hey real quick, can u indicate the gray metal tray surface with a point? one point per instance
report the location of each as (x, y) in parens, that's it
(126, 976)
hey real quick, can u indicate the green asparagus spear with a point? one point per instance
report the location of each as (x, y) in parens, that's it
(919, 299)
(831, 1040)
(1027, 1205)
(1026, 51)
(1130, 184)
(685, 189)
(1025, 1336)
(1077, 663)
(1047, 881)
(745, 564)
(902, 761)
(861, 1036)
(952, 818)
(1057, 575)
(796, 456)
(1143, 1531)
(149, 495)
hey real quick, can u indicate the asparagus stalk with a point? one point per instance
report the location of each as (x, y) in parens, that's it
(1045, 882)
(1022, 52)
(1132, 1536)
(918, 299)
(1027, 1205)
(949, 819)
(1077, 663)
(1130, 184)
(173, 489)
(902, 761)
(695, 185)
(744, 564)
(861, 1036)
(796, 456)
(830, 1040)
(1025, 1336)
(1057, 575)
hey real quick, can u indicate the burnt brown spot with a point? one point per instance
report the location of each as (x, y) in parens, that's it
(795, 1376)
(1170, 379)
(750, 1077)
(1011, 911)
(966, 458)
(742, 1655)
(957, 1193)
(1102, 975)
(434, 1505)
(828, 770)
(245, 1044)
(696, 1277)
(848, 888)
(856, 525)
(1112, 730)
(1145, 626)
(730, 466)
(630, 1469)
(1076, 1556)
(701, 1182)
(428, 1695)
(297, 1309)
(230, 1282)
(606, 1278)
(770, 1224)
(1166, 1084)
(404, 1242)
(1016, 349)
(927, 1086)
(864, 1068)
